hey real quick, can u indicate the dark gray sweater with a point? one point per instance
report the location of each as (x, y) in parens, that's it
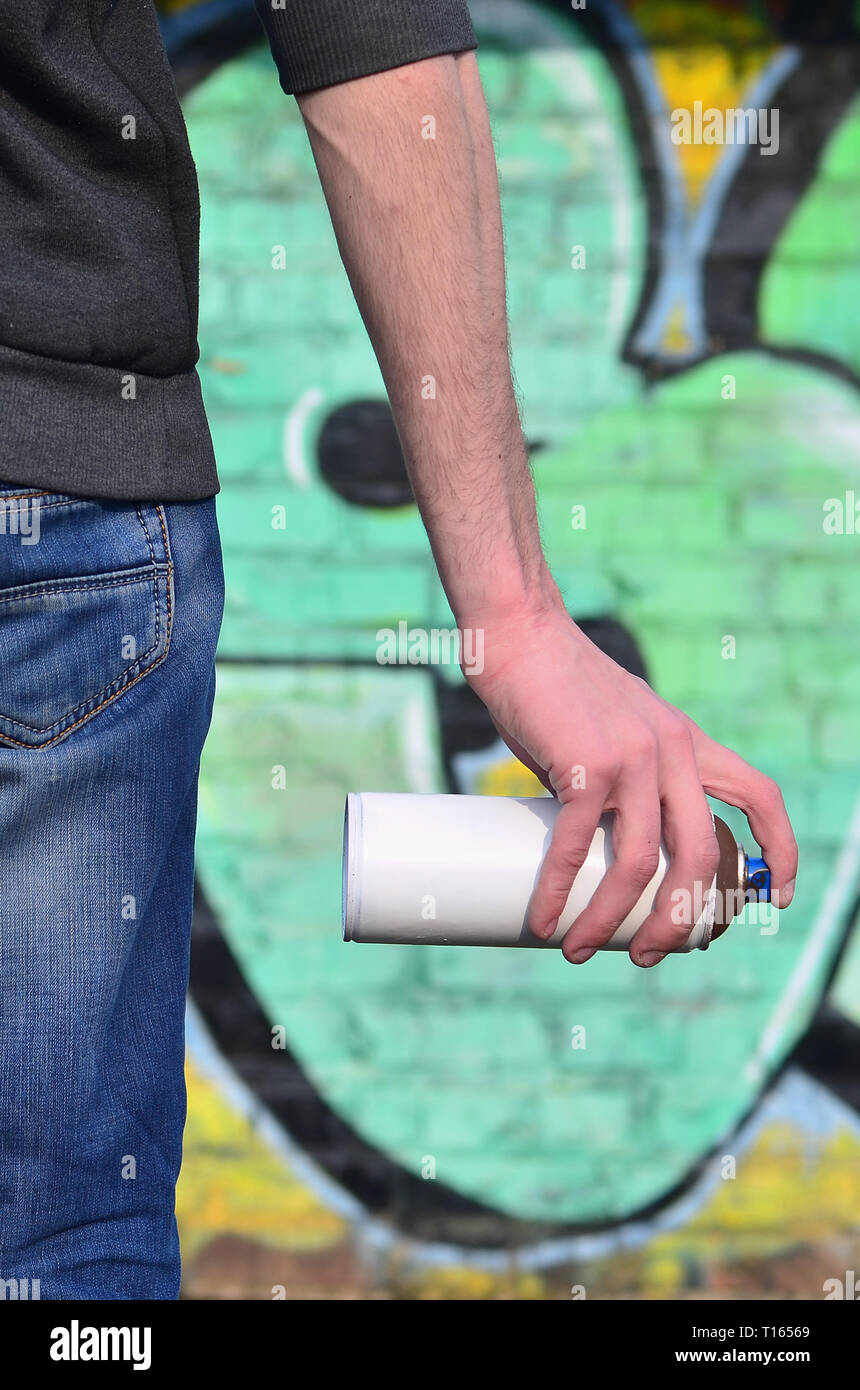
(99, 218)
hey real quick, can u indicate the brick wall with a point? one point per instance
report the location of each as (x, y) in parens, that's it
(691, 387)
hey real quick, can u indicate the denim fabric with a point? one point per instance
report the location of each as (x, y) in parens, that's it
(109, 616)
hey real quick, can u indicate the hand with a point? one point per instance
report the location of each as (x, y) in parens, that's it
(574, 716)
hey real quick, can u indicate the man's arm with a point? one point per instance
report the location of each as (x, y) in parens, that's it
(419, 228)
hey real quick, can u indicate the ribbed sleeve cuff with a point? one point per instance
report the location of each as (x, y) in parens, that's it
(316, 43)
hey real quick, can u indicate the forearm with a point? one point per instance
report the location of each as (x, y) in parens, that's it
(419, 229)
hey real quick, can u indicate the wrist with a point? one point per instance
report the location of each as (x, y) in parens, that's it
(495, 634)
(512, 606)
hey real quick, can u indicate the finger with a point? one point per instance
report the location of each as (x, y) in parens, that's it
(726, 775)
(694, 855)
(571, 839)
(635, 860)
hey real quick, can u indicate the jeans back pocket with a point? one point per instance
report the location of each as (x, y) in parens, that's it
(85, 608)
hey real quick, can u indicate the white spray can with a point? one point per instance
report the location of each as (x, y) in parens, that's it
(460, 870)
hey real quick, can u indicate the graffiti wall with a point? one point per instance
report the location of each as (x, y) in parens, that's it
(682, 291)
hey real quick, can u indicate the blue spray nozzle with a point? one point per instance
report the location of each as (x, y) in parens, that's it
(756, 880)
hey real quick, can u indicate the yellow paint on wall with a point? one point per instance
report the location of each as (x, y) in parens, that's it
(676, 339)
(232, 1182)
(458, 1283)
(508, 777)
(724, 49)
(718, 80)
(791, 1190)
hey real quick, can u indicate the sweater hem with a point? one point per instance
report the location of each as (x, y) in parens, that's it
(104, 432)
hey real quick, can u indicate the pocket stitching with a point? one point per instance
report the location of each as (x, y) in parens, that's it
(148, 539)
(120, 680)
(125, 683)
(46, 506)
(42, 589)
(37, 748)
(159, 511)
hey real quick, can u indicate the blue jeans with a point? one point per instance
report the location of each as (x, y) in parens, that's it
(109, 616)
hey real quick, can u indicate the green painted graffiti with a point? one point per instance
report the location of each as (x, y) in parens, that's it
(703, 499)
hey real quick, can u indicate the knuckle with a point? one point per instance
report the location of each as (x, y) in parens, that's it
(675, 733)
(708, 855)
(640, 747)
(604, 769)
(640, 866)
(669, 935)
(767, 794)
(699, 863)
(568, 859)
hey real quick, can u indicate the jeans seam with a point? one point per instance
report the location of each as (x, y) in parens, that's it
(38, 747)
(126, 684)
(62, 502)
(162, 521)
(155, 567)
(62, 586)
(121, 680)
